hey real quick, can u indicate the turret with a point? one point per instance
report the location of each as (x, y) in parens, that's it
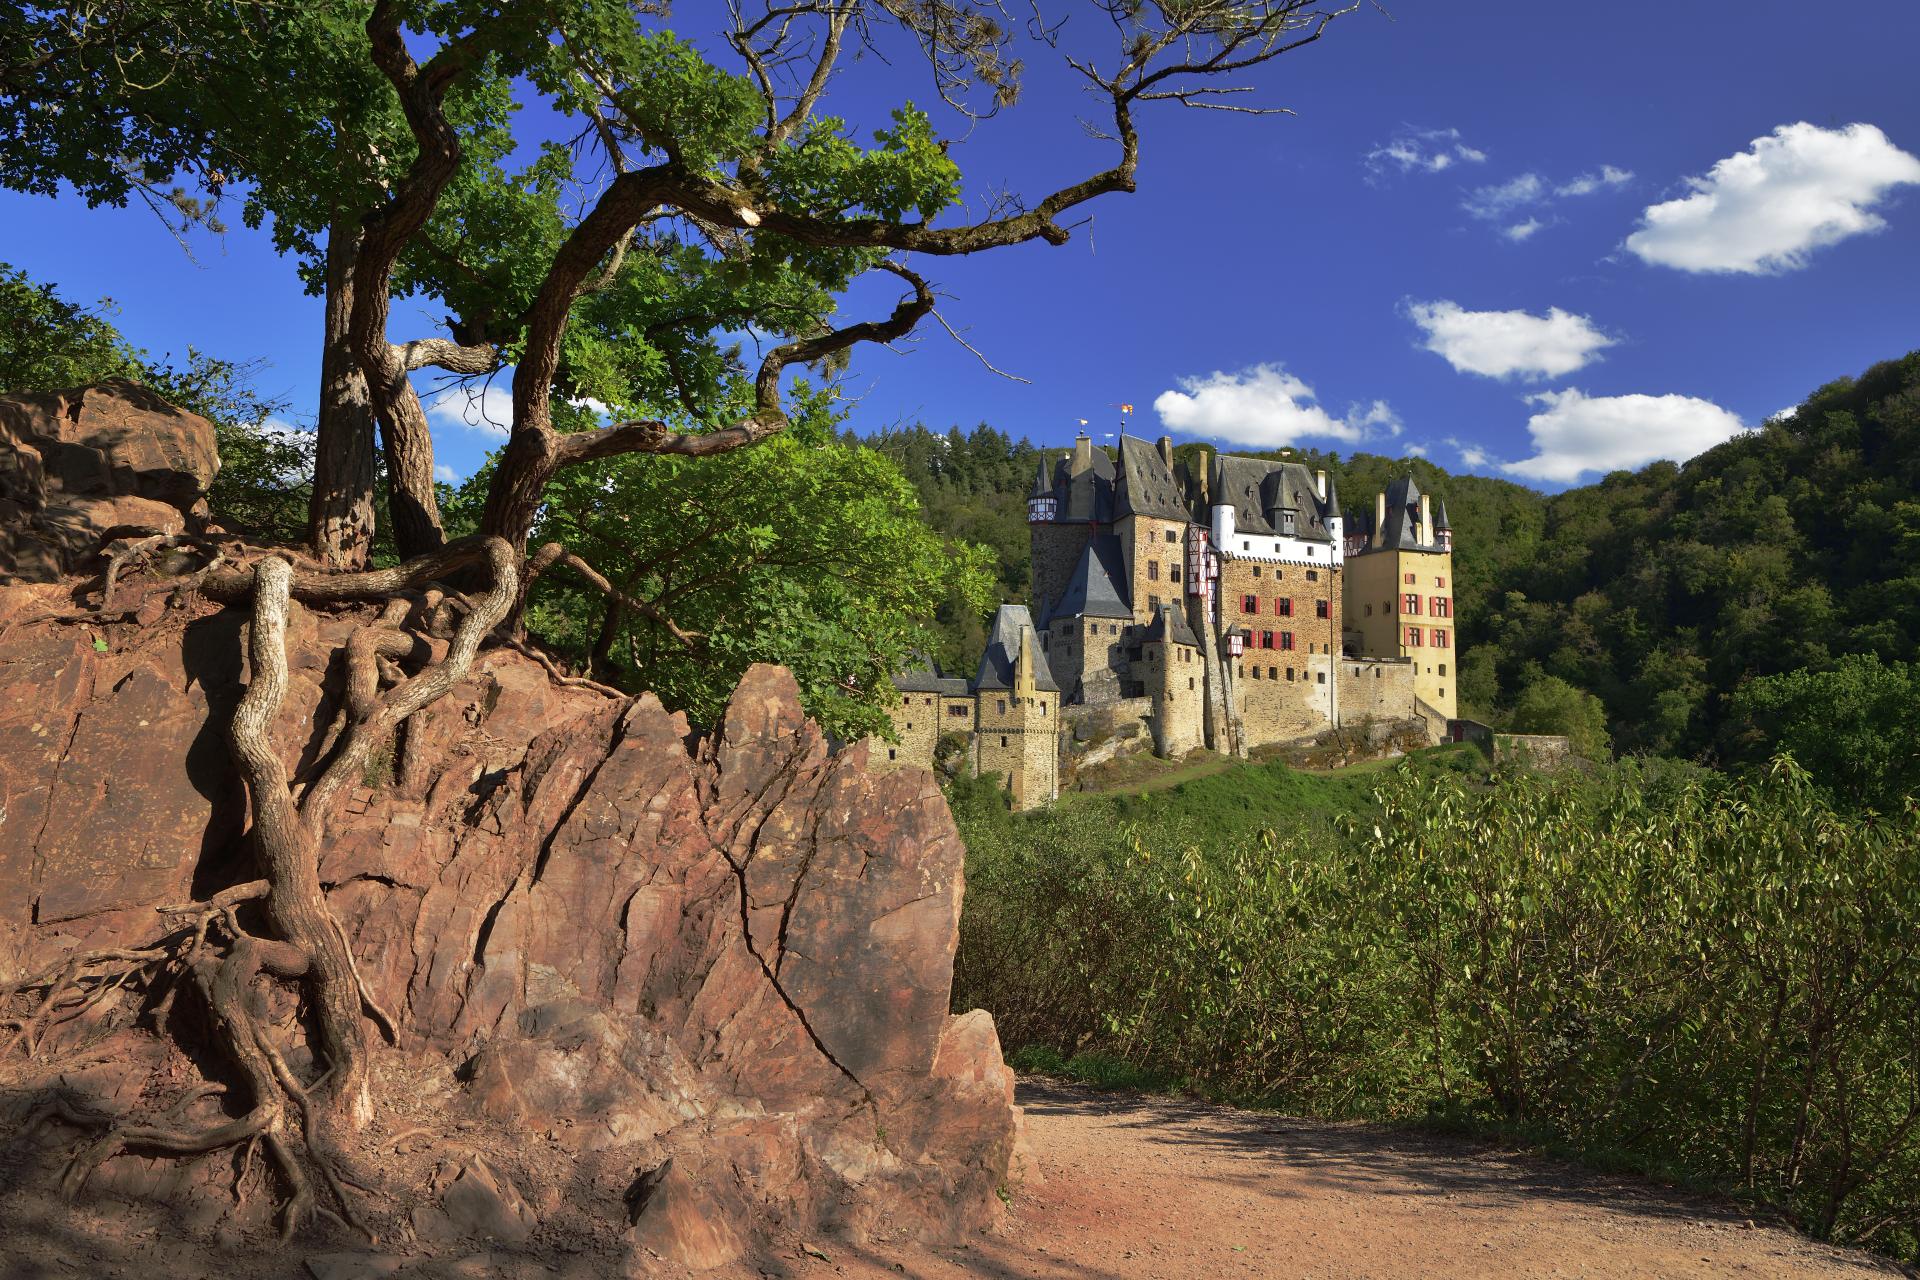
(1442, 528)
(1040, 500)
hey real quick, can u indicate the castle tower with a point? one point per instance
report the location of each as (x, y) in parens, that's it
(1399, 591)
(1066, 506)
(1017, 720)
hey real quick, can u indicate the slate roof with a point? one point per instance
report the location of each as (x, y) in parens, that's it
(1170, 622)
(1403, 519)
(1257, 490)
(1146, 485)
(1095, 590)
(1087, 496)
(923, 675)
(1040, 489)
(1012, 629)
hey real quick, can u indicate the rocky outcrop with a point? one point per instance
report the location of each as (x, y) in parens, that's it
(706, 976)
(76, 465)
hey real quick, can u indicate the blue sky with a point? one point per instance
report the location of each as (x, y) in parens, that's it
(1536, 240)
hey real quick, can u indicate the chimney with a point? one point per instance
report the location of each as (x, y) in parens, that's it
(1166, 451)
(1320, 485)
(1426, 520)
(1379, 516)
(1082, 453)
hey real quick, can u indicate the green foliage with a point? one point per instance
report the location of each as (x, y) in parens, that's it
(1681, 971)
(1550, 705)
(1856, 728)
(805, 550)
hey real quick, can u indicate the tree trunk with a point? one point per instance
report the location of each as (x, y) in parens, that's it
(412, 507)
(340, 515)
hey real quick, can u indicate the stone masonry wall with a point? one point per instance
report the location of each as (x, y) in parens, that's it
(1375, 688)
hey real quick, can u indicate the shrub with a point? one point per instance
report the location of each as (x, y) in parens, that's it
(1716, 977)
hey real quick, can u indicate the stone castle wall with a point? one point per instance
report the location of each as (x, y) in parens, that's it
(1375, 689)
(1056, 549)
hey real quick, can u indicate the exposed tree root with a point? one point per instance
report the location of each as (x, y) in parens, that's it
(297, 1122)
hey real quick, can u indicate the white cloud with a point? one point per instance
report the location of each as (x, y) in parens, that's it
(1424, 151)
(1502, 197)
(1508, 344)
(1264, 406)
(601, 409)
(1501, 201)
(1474, 456)
(445, 474)
(1416, 450)
(1768, 208)
(1575, 433)
(1782, 415)
(488, 410)
(1588, 183)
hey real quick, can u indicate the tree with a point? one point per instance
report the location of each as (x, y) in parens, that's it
(724, 199)
(1550, 705)
(807, 551)
(1854, 728)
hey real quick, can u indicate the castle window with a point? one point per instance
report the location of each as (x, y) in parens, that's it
(1003, 739)
(1369, 611)
(1439, 581)
(929, 702)
(1153, 571)
(1256, 673)
(1413, 637)
(1003, 708)
(1286, 640)
(1376, 673)
(1249, 604)
(1289, 675)
(1173, 571)
(1256, 571)
(1286, 521)
(1443, 691)
(1440, 640)
(1246, 546)
(956, 710)
(1322, 677)
(1313, 575)
(1410, 578)
(1323, 608)
(1170, 536)
(1443, 668)
(1410, 603)
(1442, 607)
(1273, 673)
(1113, 628)
(909, 724)
(1189, 682)
(1266, 639)
(892, 754)
(1043, 706)
(1282, 607)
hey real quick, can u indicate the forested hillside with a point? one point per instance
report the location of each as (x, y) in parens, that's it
(1663, 592)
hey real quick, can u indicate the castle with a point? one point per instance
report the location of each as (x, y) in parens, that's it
(1227, 604)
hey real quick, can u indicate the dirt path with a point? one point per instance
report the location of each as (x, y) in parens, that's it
(1171, 1190)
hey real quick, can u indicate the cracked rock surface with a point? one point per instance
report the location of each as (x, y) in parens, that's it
(706, 976)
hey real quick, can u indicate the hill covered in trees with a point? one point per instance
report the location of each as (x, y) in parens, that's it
(1678, 597)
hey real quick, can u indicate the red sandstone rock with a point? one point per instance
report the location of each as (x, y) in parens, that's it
(728, 957)
(76, 464)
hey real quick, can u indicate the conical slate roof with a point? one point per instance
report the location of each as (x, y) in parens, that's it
(1012, 633)
(1041, 489)
(1094, 590)
(1333, 501)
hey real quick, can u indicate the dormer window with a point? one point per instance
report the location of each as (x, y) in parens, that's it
(1287, 518)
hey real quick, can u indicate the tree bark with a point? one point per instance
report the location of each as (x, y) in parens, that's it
(407, 442)
(340, 515)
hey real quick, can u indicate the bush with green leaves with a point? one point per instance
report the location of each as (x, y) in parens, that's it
(1697, 975)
